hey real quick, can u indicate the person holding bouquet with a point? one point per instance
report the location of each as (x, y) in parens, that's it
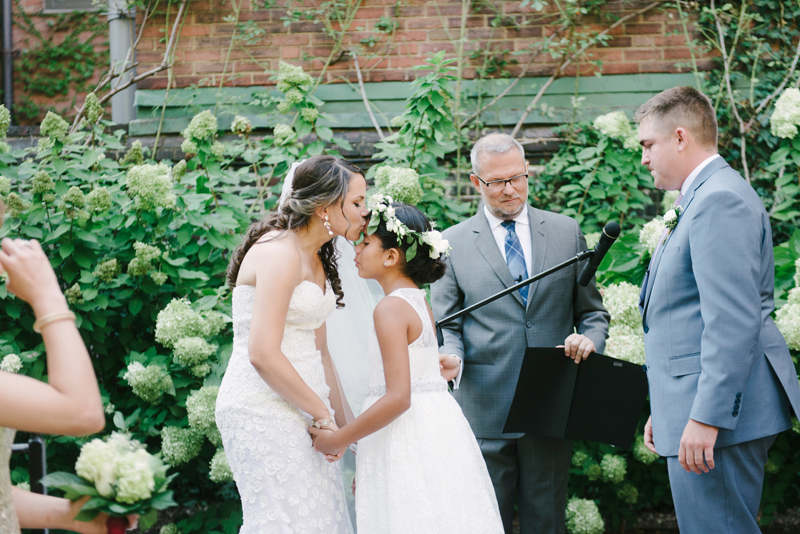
(68, 404)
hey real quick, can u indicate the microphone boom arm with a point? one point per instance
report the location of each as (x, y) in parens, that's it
(450, 318)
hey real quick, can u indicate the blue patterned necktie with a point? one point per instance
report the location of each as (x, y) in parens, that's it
(516, 259)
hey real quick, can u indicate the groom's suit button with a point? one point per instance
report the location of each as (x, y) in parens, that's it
(645, 368)
(529, 324)
(646, 329)
(735, 413)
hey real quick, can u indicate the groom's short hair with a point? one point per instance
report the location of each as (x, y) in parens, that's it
(493, 143)
(682, 107)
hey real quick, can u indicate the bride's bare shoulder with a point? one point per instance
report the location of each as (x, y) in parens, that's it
(274, 256)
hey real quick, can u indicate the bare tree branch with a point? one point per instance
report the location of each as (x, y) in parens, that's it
(524, 71)
(165, 64)
(777, 91)
(364, 94)
(727, 73)
(574, 56)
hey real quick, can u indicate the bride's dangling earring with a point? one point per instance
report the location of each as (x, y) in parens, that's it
(327, 225)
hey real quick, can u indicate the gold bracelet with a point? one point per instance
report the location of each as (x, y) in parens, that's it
(52, 318)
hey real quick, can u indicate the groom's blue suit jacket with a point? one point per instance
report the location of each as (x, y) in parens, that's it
(714, 353)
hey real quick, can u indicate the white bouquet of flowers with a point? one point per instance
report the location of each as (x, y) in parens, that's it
(121, 478)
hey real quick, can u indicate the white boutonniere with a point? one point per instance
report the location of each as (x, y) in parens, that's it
(671, 218)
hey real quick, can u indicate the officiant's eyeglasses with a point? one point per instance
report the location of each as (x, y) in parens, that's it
(499, 185)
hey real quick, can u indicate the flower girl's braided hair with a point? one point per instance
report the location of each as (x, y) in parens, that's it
(319, 182)
(409, 229)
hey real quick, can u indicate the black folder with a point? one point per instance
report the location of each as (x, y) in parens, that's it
(601, 399)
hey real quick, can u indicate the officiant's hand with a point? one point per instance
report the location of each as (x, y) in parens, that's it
(324, 442)
(449, 365)
(578, 347)
(648, 435)
(698, 441)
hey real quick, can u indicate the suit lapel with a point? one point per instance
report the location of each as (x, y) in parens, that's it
(704, 175)
(487, 246)
(538, 248)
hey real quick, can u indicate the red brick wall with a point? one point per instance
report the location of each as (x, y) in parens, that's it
(651, 42)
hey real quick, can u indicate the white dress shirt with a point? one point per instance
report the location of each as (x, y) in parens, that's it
(522, 228)
(689, 179)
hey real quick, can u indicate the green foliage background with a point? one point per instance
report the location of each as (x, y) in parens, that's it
(593, 178)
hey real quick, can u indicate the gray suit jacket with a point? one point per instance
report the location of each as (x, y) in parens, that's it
(713, 352)
(492, 340)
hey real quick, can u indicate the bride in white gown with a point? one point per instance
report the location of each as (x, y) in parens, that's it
(281, 379)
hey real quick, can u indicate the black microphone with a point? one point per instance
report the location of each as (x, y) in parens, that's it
(609, 235)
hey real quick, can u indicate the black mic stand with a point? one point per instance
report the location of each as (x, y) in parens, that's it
(450, 318)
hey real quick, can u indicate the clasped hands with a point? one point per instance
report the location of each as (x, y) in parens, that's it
(321, 440)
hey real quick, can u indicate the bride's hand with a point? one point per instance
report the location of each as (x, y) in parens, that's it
(324, 442)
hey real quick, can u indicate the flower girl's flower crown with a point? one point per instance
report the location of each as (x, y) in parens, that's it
(380, 207)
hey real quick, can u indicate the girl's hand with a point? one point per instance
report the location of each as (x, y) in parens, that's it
(30, 276)
(96, 525)
(324, 442)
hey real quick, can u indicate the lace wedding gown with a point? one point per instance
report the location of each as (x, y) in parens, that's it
(8, 518)
(423, 473)
(285, 485)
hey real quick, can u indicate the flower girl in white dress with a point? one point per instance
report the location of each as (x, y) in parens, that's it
(418, 467)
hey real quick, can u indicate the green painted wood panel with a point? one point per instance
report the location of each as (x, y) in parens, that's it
(344, 104)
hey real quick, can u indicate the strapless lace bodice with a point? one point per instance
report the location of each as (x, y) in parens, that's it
(308, 309)
(8, 519)
(423, 353)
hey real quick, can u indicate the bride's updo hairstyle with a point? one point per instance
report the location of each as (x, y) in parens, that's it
(319, 182)
(422, 269)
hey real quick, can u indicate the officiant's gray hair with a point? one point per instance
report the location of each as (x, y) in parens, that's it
(493, 143)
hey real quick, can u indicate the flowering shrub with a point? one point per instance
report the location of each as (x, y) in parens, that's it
(583, 517)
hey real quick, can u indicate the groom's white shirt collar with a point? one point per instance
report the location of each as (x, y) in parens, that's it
(522, 228)
(689, 179)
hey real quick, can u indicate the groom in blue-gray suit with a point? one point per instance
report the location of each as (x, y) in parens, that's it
(509, 240)
(722, 383)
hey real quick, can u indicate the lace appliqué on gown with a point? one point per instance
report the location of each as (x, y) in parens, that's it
(8, 518)
(424, 472)
(285, 485)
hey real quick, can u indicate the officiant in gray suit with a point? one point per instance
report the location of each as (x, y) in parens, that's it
(506, 241)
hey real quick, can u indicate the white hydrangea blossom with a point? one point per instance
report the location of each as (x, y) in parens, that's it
(583, 517)
(290, 76)
(172, 528)
(151, 187)
(650, 234)
(283, 133)
(5, 186)
(179, 445)
(622, 302)
(241, 126)
(592, 238)
(614, 468)
(148, 383)
(24, 485)
(625, 343)
(200, 406)
(135, 477)
(193, 350)
(178, 320)
(401, 183)
(642, 453)
(203, 125)
(617, 126)
(96, 464)
(220, 469)
(786, 117)
(787, 319)
(11, 363)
